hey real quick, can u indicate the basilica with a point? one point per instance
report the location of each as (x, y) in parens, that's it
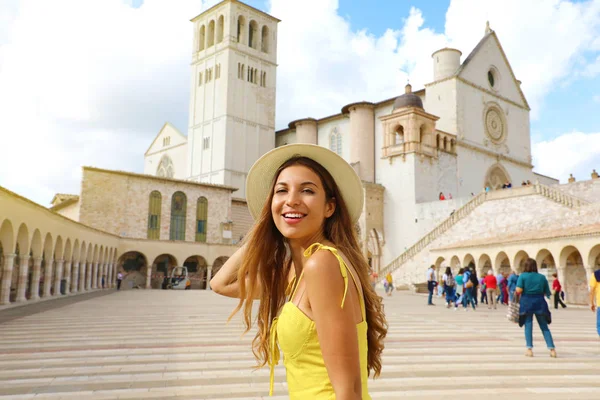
(435, 165)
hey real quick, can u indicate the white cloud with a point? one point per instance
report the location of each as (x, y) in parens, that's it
(91, 83)
(576, 152)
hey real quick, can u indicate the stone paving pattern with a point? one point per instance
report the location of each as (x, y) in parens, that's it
(176, 345)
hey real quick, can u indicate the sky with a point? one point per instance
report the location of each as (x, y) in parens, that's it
(91, 82)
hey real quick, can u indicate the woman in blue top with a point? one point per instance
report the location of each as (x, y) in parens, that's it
(531, 288)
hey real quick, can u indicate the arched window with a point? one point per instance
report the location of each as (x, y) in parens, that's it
(220, 23)
(211, 34)
(201, 38)
(253, 35)
(154, 215)
(241, 29)
(265, 39)
(165, 167)
(335, 141)
(399, 136)
(178, 210)
(201, 216)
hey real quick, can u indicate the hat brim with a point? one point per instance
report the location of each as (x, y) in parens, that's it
(262, 173)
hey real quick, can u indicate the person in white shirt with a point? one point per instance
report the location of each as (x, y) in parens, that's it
(431, 283)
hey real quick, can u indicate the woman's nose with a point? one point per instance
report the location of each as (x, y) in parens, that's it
(293, 198)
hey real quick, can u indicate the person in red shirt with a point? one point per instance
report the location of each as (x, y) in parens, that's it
(442, 197)
(491, 285)
(556, 289)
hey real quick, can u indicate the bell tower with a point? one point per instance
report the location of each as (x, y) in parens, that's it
(232, 99)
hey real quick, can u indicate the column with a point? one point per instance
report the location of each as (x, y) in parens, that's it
(6, 278)
(75, 276)
(89, 267)
(115, 271)
(109, 275)
(23, 274)
(48, 277)
(148, 276)
(94, 281)
(58, 276)
(35, 279)
(82, 276)
(67, 276)
(208, 276)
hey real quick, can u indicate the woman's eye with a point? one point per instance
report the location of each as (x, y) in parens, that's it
(280, 191)
(308, 191)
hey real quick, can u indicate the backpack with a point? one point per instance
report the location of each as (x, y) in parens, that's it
(450, 281)
(473, 280)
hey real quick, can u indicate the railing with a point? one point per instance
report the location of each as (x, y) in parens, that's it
(559, 196)
(546, 191)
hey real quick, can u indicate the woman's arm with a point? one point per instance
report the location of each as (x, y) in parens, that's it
(225, 282)
(336, 326)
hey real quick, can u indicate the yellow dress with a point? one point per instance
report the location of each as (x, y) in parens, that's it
(307, 376)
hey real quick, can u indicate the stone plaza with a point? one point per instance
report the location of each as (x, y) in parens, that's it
(152, 344)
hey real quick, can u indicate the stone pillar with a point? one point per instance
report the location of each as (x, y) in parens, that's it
(23, 274)
(58, 276)
(148, 277)
(75, 277)
(6, 278)
(67, 276)
(109, 275)
(35, 279)
(88, 275)
(94, 282)
(48, 272)
(82, 278)
(208, 276)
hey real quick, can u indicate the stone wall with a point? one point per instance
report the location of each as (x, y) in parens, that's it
(117, 202)
(242, 220)
(586, 190)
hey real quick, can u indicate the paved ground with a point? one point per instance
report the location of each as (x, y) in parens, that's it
(167, 344)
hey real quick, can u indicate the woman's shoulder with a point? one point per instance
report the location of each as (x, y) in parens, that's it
(321, 262)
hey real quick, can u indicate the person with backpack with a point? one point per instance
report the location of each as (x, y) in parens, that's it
(459, 289)
(449, 285)
(595, 297)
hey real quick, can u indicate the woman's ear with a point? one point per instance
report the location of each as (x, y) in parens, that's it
(330, 207)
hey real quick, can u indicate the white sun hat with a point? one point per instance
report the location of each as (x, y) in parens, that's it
(261, 175)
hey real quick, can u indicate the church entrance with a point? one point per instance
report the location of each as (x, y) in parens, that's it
(496, 177)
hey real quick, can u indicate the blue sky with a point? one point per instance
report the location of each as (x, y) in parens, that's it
(103, 103)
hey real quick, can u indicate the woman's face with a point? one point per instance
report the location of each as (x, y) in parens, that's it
(299, 206)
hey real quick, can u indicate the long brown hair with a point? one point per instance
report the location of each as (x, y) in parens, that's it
(268, 261)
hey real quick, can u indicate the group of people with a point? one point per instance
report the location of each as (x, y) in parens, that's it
(442, 197)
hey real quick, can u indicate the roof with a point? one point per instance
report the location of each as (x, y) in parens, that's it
(161, 178)
(161, 130)
(67, 202)
(61, 197)
(234, 1)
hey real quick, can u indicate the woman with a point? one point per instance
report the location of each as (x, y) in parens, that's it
(531, 288)
(459, 288)
(556, 289)
(303, 263)
(441, 196)
(449, 285)
(389, 284)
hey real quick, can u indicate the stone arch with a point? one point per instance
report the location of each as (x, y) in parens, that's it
(76, 250)
(374, 250)
(202, 38)
(210, 37)
(253, 34)
(217, 264)
(7, 237)
(134, 267)
(264, 42)
(36, 244)
(178, 216)
(446, 143)
(426, 134)
(484, 264)
(575, 280)
(23, 239)
(519, 261)
(162, 267)
(198, 271)
(47, 265)
(594, 258)
(399, 135)
(241, 29)
(455, 264)
(469, 261)
(496, 176)
(220, 28)
(502, 263)
(165, 167)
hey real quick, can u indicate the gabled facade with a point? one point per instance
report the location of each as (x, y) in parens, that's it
(167, 155)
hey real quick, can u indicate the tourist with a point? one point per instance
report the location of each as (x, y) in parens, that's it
(504, 289)
(449, 196)
(460, 289)
(119, 280)
(491, 284)
(431, 284)
(532, 287)
(389, 284)
(306, 200)
(595, 297)
(556, 289)
(442, 197)
(483, 290)
(449, 284)
(471, 282)
(499, 279)
(374, 279)
(512, 285)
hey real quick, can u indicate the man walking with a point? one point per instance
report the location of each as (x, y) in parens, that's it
(512, 285)
(491, 284)
(119, 279)
(595, 297)
(430, 284)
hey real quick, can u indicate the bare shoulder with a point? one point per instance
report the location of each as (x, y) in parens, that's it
(322, 265)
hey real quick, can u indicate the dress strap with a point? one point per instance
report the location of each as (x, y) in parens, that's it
(343, 269)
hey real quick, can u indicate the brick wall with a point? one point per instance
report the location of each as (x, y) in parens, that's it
(118, 202)
(242, 220)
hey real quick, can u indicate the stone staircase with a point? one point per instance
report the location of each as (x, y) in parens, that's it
(551, 193)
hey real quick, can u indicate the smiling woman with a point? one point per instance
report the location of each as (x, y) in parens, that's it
(303, 263)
